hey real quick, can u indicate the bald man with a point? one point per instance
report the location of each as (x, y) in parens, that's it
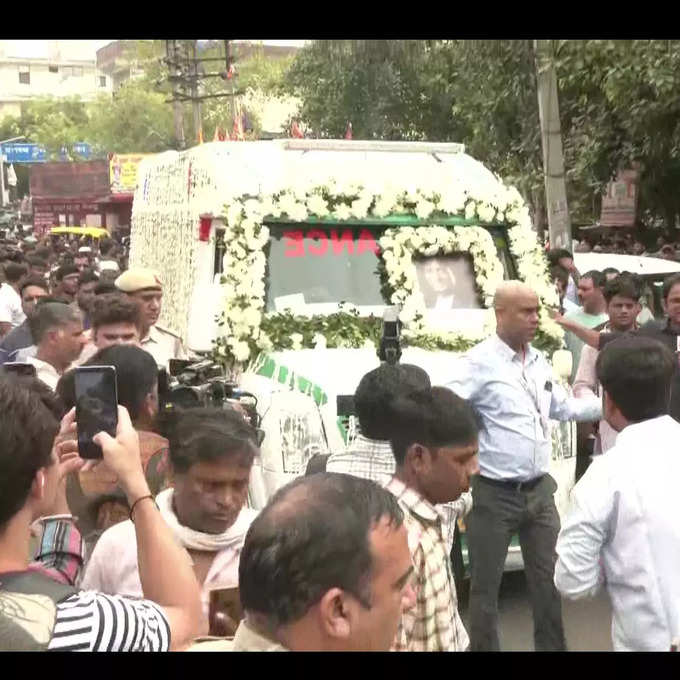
(510, 386)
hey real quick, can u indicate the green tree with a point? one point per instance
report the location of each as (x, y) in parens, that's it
(49, 121)
(617, 106)
(386, 89)
(133, 120)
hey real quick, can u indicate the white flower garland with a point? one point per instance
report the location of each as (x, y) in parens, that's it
(401, 246)
(246, 236)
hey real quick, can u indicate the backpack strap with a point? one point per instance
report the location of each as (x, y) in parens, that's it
(28, 610)
(35, 583)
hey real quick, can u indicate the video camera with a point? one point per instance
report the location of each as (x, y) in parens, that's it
(390, 341)
(189, 384)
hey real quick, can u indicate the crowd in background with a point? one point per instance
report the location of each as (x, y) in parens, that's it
(651, 244)
(156, 546)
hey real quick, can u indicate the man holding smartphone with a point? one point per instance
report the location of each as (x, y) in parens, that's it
(61, 617)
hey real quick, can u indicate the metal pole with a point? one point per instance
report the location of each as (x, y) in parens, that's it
(2, 179)
(227, 53)
(172, 56)
(196, 104)
(553, 159)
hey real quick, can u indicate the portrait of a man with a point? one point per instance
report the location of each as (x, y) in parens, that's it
(447, 282)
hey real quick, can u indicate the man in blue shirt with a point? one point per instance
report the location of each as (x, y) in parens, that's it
(510, 386)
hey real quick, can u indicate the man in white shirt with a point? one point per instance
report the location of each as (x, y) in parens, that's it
(57, 330)
(211, 455)
(11, 312)
(622, 530)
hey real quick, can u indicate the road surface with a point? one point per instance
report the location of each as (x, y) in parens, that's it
(587, 623)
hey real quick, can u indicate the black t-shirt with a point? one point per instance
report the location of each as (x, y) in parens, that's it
(661, 331)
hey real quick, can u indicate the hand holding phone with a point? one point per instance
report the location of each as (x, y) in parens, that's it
(96, 407)
(122, 456)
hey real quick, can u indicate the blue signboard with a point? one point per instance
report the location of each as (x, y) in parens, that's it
(83, 149)
(24, 153)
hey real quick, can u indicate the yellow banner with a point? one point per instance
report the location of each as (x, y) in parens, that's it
(123, 171)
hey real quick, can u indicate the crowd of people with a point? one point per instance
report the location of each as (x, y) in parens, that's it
(666, 246)
(156, 547)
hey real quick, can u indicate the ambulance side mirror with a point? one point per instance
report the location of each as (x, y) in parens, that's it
(563, 363)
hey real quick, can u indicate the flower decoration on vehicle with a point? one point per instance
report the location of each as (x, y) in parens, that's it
(400, 249)
(247, 330)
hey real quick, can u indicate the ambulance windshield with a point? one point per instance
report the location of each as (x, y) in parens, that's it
(313, 268)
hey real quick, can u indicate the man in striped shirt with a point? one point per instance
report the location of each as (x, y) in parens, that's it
(434, 440)
(36, 611)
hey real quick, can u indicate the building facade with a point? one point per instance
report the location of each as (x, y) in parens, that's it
(52, 68)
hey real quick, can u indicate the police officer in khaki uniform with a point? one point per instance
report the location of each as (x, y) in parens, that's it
(144, 286)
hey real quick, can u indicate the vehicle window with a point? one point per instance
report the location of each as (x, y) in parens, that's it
(316, 265)
(322, 265)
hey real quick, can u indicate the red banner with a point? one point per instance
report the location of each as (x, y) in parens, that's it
(619, 202)
(70, 182)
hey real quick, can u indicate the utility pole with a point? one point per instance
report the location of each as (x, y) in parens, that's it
(196, 103)
(551, 136)
(228, 59)
(185, 73)
(172, 59)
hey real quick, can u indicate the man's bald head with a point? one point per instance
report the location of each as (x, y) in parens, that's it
(313, 535)
(510, 292)
(516, 306)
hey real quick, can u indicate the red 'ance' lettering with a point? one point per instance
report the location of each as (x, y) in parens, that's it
(295, 246)
(367, 243)
(344, 241)
(323, 242)
(318, 241)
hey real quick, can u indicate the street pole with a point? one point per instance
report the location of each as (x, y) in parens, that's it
(2, 178)
(171, 51)
(227, 50)
(196, 104)
(551, 136)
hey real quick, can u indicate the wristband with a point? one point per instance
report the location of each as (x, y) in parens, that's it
(134, 505)
(65, 517)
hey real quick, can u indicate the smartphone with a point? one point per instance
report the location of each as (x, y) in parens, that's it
(96, 406)
(19, 368)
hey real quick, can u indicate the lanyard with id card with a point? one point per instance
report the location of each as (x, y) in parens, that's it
(535, 398)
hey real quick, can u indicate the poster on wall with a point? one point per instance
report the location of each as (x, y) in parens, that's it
(619, 202)
(123, 171)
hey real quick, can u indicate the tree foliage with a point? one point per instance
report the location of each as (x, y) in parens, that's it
(133, 120)
(137, 118)
(617, 106)
(386, 89)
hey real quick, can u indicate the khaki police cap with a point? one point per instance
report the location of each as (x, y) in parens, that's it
(138, 279)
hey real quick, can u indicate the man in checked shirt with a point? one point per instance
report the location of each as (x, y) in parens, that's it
(434, 440)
